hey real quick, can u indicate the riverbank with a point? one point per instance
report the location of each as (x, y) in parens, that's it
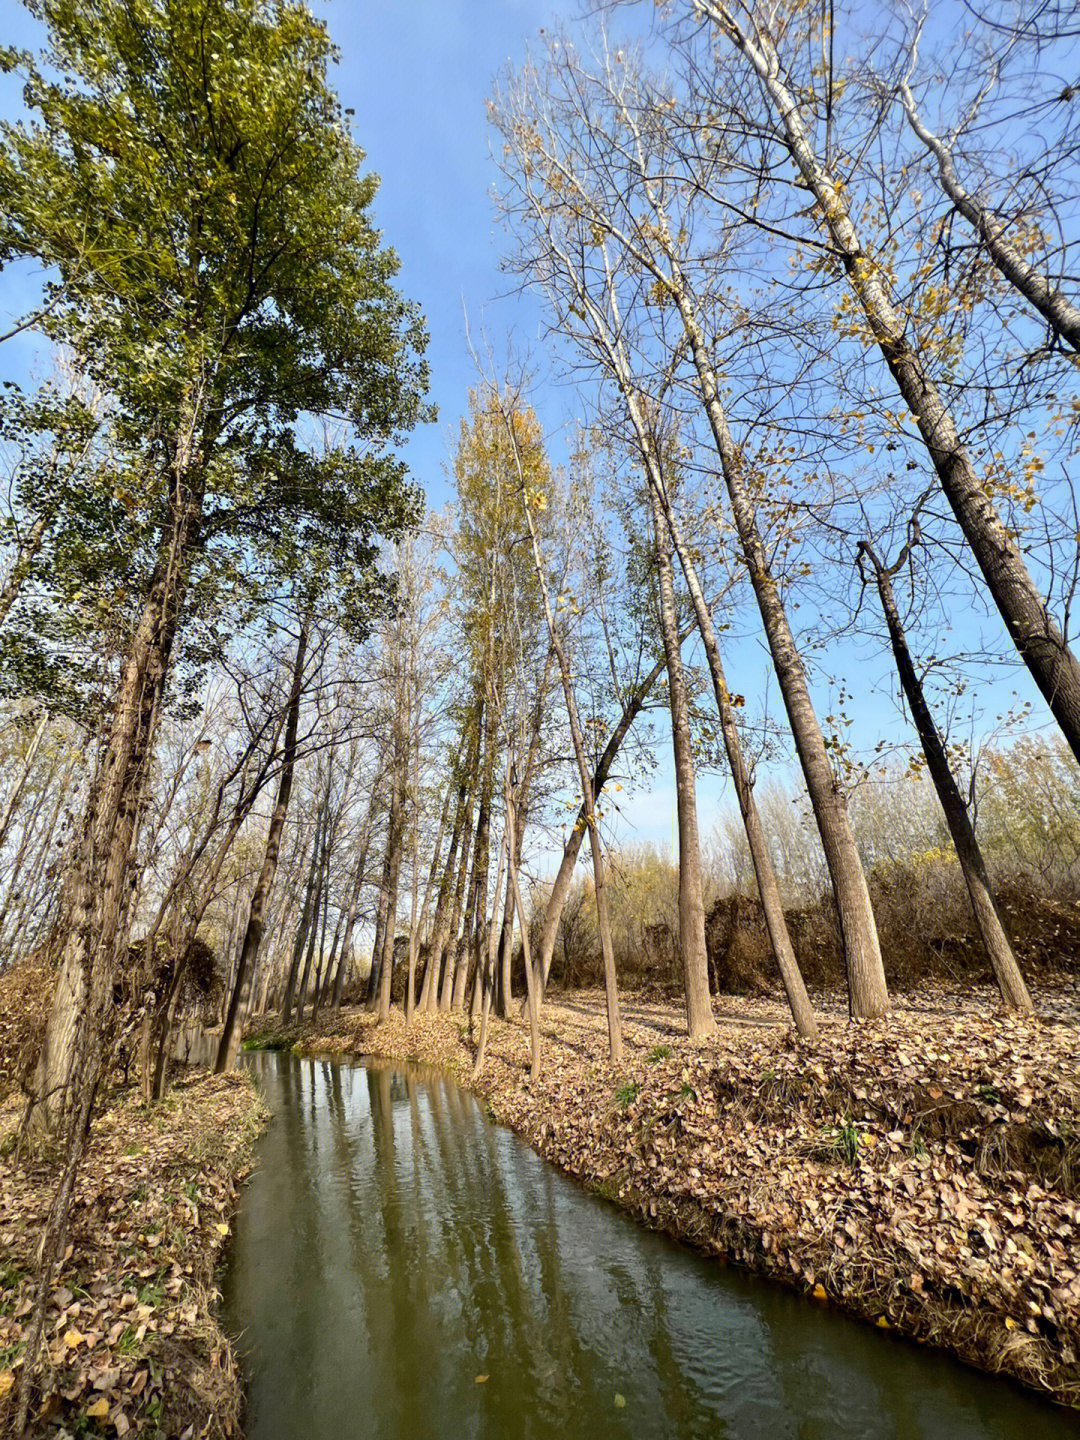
(922, 1172)
(132, 1340)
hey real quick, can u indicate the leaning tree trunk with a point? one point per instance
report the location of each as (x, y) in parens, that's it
(695, 958)
(95, 913)
(867, 991)
(976, 877)
(1034, 631)
(249, 950)
(560, 890)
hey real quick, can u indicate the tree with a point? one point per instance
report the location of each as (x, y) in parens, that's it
(236, 284)
(1006, 971)
(763, 46)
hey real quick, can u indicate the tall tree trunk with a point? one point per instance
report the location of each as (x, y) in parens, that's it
(867, 991)
(446, 991)
(485, 1008)
(253, 933)
(94, 916)
(531, 987)
(695, 957)
(302, 928)
(607, 330)
(474, 914)
(354, 901)
(395, 839)
(442, 929)
(322, 901)
(416, 929)
(976, 877)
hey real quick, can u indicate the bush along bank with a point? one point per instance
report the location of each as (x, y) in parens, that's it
(133, 1345)
(921, 1172)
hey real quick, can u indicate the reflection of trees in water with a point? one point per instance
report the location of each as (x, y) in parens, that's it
(400, 1246)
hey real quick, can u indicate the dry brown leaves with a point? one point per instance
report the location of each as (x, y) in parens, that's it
(131, 1344)
(922, 1171)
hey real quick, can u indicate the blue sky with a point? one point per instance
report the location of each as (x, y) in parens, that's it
(417, 76)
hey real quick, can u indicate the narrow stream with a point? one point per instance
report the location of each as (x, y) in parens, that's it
(402, 1269)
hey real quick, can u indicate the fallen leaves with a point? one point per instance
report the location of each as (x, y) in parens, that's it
(130, 1340)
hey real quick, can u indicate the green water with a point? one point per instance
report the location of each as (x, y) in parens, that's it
(394, 1247)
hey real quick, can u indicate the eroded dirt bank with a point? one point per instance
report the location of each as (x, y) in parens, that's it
(922, 1172)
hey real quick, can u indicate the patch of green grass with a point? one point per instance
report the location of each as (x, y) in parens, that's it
(686, 1091)
(10, 1353)
(839, 1142)
(626, 1094)
(988, 1094)
(266, 1040)
(152, 1294)
(132, 1150)
(128, 1344)
(658, 1053)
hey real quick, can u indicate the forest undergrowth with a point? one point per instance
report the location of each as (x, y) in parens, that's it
(921, 1171)
(132, 1342)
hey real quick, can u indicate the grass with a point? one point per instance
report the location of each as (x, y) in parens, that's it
(838, 1142)
(658, 1053)
(267, 1040)
(626, 1094)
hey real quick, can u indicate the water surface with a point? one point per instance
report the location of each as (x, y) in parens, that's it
(403, 1269)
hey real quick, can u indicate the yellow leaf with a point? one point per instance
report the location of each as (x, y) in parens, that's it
(882, 1323)
(1010, 1323)
(620, 1402)
(7, 1381)
(98, 1410)
(221, 1228)
(73, 1339)
(482, 1379)
(818, 1292)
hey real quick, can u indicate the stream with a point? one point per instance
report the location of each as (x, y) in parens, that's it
(403, 1269)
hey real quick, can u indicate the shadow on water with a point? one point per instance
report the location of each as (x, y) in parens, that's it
(404, 1270)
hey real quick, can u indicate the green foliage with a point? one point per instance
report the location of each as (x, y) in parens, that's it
(626, 1094)
(189, 179)
(658, 1053)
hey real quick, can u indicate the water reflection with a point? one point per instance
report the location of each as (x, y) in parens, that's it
(395, 1247)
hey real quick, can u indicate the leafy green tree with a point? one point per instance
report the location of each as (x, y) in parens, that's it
(189, 174)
